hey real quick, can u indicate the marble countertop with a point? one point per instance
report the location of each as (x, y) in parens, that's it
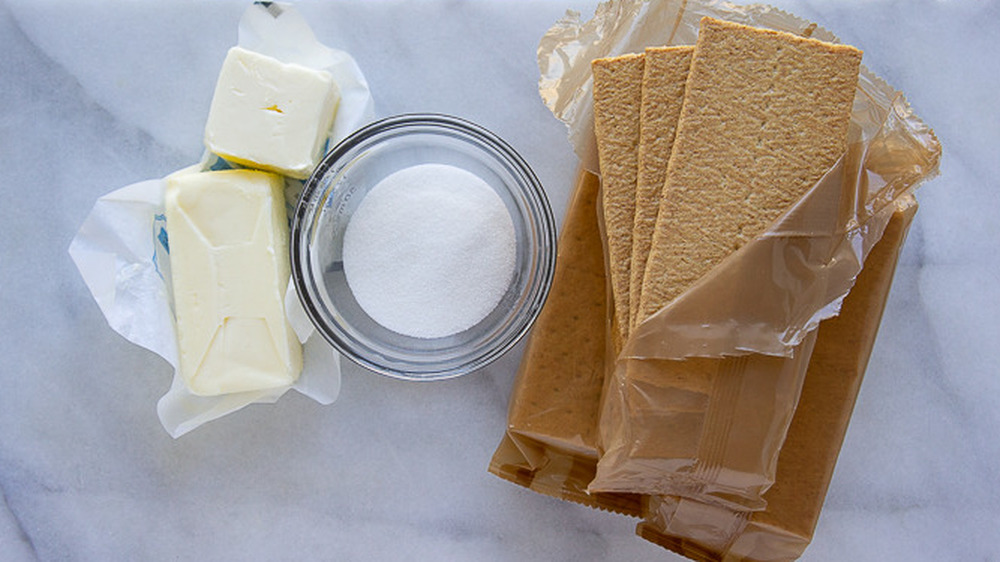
(98, 95)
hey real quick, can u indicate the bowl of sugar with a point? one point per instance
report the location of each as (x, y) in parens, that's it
(423, 247)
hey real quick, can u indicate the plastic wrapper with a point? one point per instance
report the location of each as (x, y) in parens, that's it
(699, 400)
(551, 441)
(784, 529)
(818, 248)
(122, 248)
(834, 225)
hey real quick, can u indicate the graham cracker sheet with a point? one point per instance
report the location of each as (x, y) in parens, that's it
(617, 98)
(664, 78)
(550, 444)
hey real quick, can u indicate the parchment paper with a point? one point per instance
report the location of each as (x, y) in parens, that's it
(122, 248)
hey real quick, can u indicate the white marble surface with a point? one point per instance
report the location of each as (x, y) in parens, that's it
(97, 95)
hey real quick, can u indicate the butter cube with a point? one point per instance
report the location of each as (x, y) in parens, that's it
(228, 238)
(271, 115)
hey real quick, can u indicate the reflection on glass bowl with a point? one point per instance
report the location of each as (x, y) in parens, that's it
(339, 185)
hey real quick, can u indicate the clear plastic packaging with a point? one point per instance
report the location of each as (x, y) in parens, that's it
(784, 529)
(550, 445)
(699, 400)
(550, 442)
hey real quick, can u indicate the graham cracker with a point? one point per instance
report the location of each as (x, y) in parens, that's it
(664, 76)
(550, 445)
(765, 115)
(562, 369)
(617, 96)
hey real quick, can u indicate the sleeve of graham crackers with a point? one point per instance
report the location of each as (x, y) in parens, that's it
(617, 95)
(740, 159)
(709, 429)
(569, 46)
(664, 76)
(690, 528)
(550, 445)
(805, 466)
(891, 152)
(765, 116)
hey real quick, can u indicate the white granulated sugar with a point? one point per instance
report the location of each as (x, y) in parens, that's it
(430, 251)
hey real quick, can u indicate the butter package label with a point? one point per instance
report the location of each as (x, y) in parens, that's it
(228, 238)
(271, 115)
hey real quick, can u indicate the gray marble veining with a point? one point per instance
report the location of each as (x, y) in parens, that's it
(97, 95)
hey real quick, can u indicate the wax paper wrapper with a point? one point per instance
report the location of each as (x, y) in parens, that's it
(122, 248)
(701, 395)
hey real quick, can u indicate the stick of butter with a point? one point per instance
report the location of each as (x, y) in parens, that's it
(228, 237)
(271, 115)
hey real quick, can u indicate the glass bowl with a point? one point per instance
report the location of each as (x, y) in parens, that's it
(334, 192)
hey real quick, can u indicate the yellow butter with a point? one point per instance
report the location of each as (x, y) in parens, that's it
(228, 238)
(271, 115)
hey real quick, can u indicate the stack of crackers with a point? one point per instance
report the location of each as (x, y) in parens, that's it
(702, 148)
(703, 151)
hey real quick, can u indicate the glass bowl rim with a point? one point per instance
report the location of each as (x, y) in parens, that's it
(540, 211)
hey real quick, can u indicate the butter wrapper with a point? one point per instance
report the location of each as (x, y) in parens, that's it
(122, 248)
